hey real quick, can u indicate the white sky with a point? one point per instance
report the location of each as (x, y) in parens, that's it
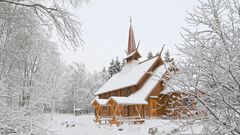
(105, 25)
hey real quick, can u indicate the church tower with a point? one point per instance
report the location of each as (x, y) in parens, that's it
(132, 52)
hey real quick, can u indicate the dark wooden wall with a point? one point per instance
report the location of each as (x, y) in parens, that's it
(125, 92)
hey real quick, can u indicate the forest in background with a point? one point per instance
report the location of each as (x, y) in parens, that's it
(33, 79)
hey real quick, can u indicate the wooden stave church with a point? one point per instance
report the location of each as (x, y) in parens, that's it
(142, 95)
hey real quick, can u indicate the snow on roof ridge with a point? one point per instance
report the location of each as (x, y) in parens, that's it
(128, 100)
(139, 97)
(102, 102)
(129, 76)
(148, 59)
(151, 83)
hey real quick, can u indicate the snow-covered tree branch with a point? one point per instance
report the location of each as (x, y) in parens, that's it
(54, 14)
(210, 67)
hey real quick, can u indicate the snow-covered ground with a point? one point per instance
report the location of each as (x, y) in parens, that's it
(64, 124)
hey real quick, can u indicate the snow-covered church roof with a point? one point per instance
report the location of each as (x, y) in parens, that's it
(140, 96)
(151, 83)
(129, 76)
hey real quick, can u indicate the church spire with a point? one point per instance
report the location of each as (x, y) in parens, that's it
(132, 53)
(131, 39)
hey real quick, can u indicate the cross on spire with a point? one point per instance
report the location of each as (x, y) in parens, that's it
(130, 20)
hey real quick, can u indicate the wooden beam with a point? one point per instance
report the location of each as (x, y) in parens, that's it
(129, 93)
(116, 93)
(122, 110)
(161, 50)
(138, 109)
(143, 111)
(98, 109)
(114, 109)
(105, 95)
(153, 111)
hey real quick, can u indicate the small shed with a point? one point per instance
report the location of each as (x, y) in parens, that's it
(78, 111)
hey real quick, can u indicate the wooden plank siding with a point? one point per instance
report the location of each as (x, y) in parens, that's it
(146, 109)
(161, 100)
(130, 110)
(157, 89)
(120, 93)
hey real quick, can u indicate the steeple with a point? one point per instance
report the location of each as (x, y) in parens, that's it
(131, 40)
(132, 53)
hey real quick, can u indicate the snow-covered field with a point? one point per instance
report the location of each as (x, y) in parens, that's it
(63, 124)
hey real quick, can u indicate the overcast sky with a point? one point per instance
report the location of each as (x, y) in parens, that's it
(105, 25)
